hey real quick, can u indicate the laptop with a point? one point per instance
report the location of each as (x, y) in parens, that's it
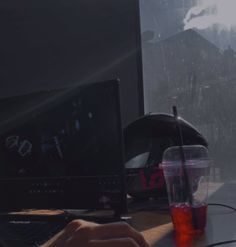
(60, 149)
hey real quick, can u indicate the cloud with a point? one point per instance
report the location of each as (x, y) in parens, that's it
(211, 12)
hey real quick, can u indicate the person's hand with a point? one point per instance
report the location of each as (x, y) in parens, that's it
(79, 233)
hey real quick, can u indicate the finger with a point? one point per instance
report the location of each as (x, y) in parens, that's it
(75, 224)
(72, 227)
(68, 232)
(113, 230)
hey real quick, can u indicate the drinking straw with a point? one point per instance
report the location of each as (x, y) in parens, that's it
(183, 165)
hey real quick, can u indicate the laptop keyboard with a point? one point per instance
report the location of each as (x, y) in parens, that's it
(21, 232)
(28, 234)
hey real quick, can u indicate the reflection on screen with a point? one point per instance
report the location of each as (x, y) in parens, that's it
(79, 135)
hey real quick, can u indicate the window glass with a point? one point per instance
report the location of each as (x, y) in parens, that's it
(189, 60)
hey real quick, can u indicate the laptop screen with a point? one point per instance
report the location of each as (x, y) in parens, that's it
(54, 139)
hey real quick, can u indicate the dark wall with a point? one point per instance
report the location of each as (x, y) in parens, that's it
(55, 43)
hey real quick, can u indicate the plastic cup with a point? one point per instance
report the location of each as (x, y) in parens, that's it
(186, 179)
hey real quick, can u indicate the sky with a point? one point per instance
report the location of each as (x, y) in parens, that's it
(207, 13)
(213, 19)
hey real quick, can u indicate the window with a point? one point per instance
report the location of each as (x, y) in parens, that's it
(189, 60)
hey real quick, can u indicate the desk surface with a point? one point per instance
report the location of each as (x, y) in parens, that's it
(221, 222)
(158, 230)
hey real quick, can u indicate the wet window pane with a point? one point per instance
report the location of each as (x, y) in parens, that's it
(189, 60)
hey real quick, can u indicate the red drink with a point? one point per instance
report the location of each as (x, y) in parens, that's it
(189, 219)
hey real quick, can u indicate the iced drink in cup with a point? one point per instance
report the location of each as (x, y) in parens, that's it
(187, 186)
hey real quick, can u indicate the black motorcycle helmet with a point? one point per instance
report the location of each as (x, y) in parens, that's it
(145, 142)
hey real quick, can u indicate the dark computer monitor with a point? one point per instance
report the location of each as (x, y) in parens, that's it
(63, 149)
